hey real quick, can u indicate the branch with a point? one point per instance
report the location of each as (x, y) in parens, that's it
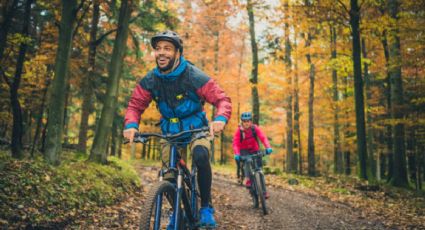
(80, 6)
(343, 6)
(134, 19)
(79, 21)
(103, 36)
(98, 41)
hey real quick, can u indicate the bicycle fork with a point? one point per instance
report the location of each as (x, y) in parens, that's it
(178, 200)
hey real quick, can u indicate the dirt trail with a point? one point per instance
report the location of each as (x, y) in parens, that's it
(287, 210)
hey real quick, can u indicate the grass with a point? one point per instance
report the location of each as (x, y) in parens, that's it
(37, 194)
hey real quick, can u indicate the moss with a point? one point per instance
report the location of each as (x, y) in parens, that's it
(39, 194)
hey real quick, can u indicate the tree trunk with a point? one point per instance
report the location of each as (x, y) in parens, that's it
(117, 136)
(297, 131)
(222, 148)
(338, 158)
(388, 128)
(212, 154)
(66, 116)
(60, 82)
(254, 71)
(8, 13)
(144, 151)
(371, 162)
(358, 89)
(397, 102)
(311, 148)
(86, 87)
(347, 153)
(97, 153)
(17, 130)
(149, 156)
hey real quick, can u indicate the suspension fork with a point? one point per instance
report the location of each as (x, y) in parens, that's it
(178, 199)
(158, 212)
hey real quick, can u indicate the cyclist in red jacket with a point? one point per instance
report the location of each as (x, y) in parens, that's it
(245, 142)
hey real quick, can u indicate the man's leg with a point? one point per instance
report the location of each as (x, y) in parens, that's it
(200, 157)
(201, 160)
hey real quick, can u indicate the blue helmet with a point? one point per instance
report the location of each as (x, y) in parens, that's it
(246, 116)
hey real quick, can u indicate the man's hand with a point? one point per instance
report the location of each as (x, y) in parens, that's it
(216, 127)
(129, 134)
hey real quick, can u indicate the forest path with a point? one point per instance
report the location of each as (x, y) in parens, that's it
(287, 210)
(233, 205)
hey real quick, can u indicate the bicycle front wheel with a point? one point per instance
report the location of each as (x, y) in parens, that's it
(254, 192)
(259, 181)
(158, 207)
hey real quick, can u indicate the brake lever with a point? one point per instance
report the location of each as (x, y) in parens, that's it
(143, 140)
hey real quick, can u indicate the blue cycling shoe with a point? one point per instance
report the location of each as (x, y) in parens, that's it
(207, 217)
(171, 222)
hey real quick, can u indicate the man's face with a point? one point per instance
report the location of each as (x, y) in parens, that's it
(165, 54)
(246, 124)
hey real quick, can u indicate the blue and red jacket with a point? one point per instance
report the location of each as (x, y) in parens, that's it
(179, 97)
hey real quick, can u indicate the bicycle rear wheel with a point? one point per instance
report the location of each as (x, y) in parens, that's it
(260, 184)
(159, 201)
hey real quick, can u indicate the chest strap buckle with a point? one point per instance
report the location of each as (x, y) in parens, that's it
(174, 120)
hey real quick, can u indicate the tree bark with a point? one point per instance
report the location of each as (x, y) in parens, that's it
(397, 102)
(338, 158)
(103, 130)
(388, 128)
(358, 89)
(291, 163)
(311, 147)
(297, 131)
(40, 118)
(8, 13)
(371, 162)
(254, 70)
(86, 87)
(57, 102)
(17, 130)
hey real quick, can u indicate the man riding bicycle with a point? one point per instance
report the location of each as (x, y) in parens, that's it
(180, 90)
(245, 142)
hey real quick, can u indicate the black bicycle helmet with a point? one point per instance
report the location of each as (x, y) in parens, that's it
(170, 36)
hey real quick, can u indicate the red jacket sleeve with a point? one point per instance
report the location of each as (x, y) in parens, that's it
(262, 137)
(237, 142)
(213, 94)
(137, 104)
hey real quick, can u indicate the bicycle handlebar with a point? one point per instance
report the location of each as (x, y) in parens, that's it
(257, 154)
(143, 137)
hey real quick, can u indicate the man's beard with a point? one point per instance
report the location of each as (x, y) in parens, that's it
(168, 66)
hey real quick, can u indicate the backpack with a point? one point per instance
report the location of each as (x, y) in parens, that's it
(254, 134)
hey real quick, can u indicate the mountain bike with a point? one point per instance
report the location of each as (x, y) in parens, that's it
(258, 185)
(175, 196)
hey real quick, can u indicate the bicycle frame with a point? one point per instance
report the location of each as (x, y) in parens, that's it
(184, 176)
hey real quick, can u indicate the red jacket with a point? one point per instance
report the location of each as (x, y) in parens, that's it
(249, 142)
